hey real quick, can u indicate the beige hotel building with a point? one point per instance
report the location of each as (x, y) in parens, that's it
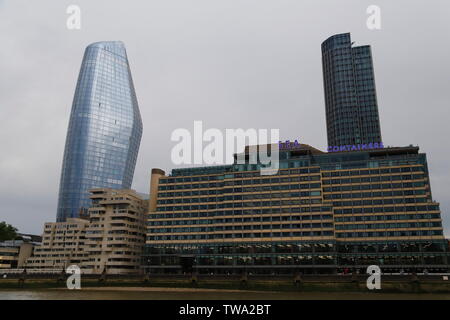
(109, 241)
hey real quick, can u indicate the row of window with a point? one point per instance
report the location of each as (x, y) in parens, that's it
(294, 247)
(225, 172)
(232, 175)
(374, 179)
(240, 220)
(243, 227)
(388, 217)
(371, 171)
(336, 204)
(239, 212)
(235, 190)
(270, 260)
(272, 186)
(242, 197)
(354, 195)
(292, 187)
(358, 203)
(403, 225)
(298, 226)
(242, 205)
(375, 234)
(275, 179)
(241, 235)
(395, 193)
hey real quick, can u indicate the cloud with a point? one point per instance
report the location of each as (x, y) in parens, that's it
(255, 63)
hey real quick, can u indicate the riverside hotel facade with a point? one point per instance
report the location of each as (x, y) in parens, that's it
(321, 213)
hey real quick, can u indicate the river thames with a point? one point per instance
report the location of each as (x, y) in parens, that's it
(200, 294)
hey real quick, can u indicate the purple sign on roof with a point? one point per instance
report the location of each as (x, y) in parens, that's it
(356, 147)
(288, 144)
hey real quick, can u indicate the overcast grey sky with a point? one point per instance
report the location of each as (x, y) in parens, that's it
(230, 63)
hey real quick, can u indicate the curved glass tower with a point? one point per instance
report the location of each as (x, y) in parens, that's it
(105, 129)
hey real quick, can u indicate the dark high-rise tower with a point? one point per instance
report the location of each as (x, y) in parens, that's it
(105, 129)
(350, 94)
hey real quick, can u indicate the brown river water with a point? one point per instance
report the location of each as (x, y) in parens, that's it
(199, 294)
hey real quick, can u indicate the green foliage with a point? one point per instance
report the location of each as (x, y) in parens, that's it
(7, 232)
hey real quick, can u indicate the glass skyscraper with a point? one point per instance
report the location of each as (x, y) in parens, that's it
(350, 94)
(105, 129)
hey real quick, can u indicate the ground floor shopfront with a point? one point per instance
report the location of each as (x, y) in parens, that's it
(297, 257)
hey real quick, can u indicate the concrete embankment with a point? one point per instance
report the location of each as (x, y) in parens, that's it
(310, 283)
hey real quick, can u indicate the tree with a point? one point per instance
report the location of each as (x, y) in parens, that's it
(7, 232)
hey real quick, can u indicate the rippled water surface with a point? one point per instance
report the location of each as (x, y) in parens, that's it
(176, 294)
